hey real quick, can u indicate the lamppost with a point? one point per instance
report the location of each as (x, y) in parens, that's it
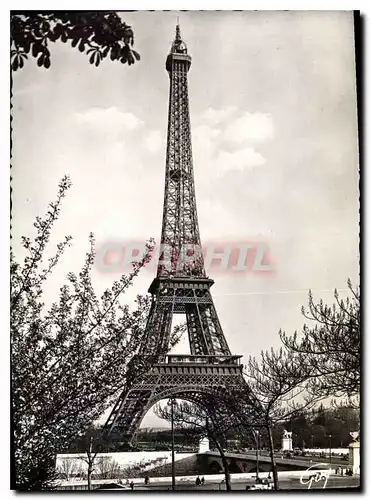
(257, 457)
(171, 403)
(330, 449)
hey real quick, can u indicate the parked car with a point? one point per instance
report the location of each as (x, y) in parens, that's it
(259, 486)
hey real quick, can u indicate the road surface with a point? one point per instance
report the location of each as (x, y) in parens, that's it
(284, 484)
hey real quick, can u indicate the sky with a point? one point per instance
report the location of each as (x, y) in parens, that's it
(274, 131)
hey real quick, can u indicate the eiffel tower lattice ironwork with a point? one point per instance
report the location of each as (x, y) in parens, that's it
(181, 286)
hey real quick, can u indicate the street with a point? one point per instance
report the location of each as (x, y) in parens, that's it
(284, 484)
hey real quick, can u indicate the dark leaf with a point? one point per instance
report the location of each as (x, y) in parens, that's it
(58, 30)
(40, 61)
(91, 59)
(45, 26)
(47, 62)
(15, 64)
(124, 51)
(36, 49)
(27, 46)
(115, 51)
(130, 58)
(136, 54)
(53, 37)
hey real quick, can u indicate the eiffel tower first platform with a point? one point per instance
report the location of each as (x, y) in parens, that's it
(181, 286)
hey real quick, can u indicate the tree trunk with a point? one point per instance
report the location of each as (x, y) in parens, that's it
(272, 456)
(225, 464)
(89, 473)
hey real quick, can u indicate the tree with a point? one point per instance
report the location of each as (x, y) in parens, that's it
(68, 468)
(69, 361)
(98, 34)
(107, 468)
(329, 351)
(93, 443)
(350, 419)
(299, 425)
(311, 429)
(276, 382)
(204, 420)
(336, 421)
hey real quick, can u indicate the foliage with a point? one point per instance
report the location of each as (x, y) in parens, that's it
(69, 360)
(320, 427)
(277, 382)
(325, 362)
(329, 352)
(107, 468)
(68, 468)
(203, 420)
(98, 34)
(93, 443)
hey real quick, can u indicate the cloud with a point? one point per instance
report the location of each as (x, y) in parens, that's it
(154, 142)
(238, 160)
(216, 212)
(251, 128)
(205, 133)
(105, 118)
(215, 116)
(209, 142)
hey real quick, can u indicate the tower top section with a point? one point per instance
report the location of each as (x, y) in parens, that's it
(178, 45)
(178, 52)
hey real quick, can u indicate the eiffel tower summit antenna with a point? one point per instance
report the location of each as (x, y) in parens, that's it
(178, 32)
(181, 286)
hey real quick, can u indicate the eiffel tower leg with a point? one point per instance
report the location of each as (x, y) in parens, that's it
(211, 324)
(198, 343)
(126, 417)
(158, 329)
(204, 328)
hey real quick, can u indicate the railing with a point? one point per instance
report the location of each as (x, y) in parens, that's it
(202, 359)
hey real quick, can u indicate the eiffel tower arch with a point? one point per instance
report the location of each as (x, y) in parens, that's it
(181, 286)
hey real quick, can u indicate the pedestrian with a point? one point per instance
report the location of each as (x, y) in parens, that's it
(132, 485)
(197, 481)
(202, 480)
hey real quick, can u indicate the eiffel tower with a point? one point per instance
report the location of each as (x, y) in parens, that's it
(181, 286)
